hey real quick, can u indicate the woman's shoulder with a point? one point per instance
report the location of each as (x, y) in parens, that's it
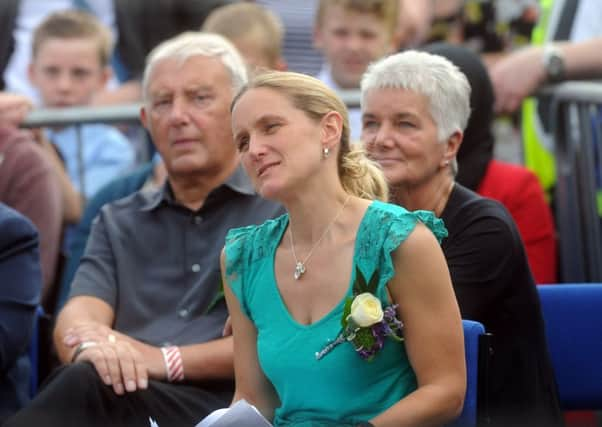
(385, 228)
(243, 244)
(255, 231)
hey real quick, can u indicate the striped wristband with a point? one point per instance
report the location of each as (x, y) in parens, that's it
(173, 363)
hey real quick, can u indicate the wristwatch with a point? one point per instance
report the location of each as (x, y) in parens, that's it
(553, 61)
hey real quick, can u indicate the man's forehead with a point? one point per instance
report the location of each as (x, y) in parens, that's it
(200, 65)
(201, 85)
(195, 72)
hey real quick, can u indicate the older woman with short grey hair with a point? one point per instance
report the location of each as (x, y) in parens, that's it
(415, 106)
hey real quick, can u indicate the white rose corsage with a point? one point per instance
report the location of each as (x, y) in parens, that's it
(365, 323)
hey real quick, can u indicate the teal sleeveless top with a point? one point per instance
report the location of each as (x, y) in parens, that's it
(341, 388)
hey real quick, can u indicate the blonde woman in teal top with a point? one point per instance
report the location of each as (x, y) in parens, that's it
(342, 309)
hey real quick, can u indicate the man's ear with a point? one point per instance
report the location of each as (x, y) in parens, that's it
(144, 117)
(332, 128)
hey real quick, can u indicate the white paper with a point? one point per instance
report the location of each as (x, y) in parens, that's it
(239, 414)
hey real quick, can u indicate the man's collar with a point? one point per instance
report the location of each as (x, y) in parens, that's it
(238, 181)
(153, 198)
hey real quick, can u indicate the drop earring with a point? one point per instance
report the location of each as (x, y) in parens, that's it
(325, 152)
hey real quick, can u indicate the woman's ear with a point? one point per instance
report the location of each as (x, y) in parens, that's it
(452, 145)
(332, 128)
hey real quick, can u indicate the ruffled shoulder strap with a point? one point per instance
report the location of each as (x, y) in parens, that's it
(434, 223)
(244, 246)
(385, 227)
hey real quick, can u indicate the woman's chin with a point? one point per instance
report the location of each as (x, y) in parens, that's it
(270, 192)
(396, 178)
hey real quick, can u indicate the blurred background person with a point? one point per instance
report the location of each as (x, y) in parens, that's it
(137, 26)
(29, 183)
(20, 288)
(298, 20)
(564, 45)
(351, 34)
(255, 31)
(70, 64)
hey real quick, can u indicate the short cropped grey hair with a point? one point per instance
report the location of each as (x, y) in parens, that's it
(194, 43)
(433, 76)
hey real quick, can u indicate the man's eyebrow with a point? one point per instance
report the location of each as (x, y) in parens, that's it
(160, 93)
(199, 88)
(189, 89)
(405, 115)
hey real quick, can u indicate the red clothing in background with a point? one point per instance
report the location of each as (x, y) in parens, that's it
(519, 191)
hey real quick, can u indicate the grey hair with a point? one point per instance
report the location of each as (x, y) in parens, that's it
(195, 43)
(433, 76)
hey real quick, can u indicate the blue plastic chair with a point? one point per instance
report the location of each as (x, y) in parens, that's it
(477, 349)
(573, 320)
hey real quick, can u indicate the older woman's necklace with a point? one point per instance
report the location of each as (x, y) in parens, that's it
(301, 266)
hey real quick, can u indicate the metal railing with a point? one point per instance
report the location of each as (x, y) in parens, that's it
(129, 113)
(577, 130)
(80, 115)
(77, 116)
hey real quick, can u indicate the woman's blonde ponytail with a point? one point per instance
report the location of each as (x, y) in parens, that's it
(362, 177)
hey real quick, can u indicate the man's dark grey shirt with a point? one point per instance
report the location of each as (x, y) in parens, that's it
(157, 262)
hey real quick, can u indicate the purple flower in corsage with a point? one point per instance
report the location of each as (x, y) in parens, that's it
(365, 323)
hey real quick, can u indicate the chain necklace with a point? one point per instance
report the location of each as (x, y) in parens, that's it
(300, 266)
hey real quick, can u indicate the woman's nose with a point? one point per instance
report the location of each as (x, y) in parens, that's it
(383, 137)
(256, 148)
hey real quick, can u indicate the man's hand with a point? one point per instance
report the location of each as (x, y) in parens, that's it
(115, 356)
(516, 77)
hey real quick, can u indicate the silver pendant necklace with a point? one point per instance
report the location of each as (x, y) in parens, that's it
(301, 266)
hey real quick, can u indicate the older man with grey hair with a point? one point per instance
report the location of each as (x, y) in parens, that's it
(140, 336)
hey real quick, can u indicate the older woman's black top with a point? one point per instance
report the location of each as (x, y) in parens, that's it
(494, 286)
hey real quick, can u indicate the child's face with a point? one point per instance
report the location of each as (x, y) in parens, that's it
(68, 72)
(350, 41)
